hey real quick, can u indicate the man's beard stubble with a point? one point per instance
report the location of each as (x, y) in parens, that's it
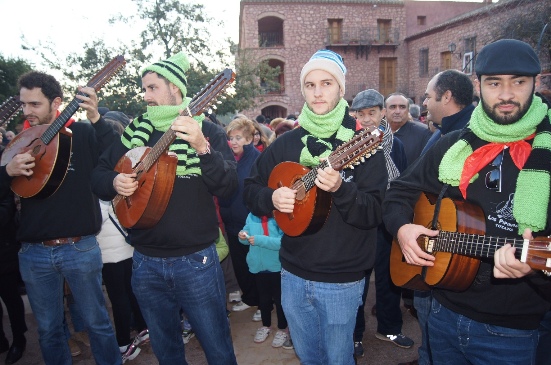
(508, 118)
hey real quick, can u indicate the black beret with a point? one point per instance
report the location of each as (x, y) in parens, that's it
(507, 57)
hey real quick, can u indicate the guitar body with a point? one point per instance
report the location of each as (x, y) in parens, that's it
(450, 271)
(51, 161)
(311, 207)
(146, 206)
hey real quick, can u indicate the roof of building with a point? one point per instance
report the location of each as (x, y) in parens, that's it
(501, 5)
(376, 2)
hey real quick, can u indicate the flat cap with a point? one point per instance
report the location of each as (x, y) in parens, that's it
(507, 57)
(367, 99)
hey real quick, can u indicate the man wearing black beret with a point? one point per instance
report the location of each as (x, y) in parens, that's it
(500, 163)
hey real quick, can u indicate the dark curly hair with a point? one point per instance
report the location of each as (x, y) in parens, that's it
(48, 84)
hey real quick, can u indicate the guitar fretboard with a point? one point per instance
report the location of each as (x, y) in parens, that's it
(60, 121)
(473, 244)
(309, 179)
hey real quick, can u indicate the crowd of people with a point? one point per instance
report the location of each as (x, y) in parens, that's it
(215, 217)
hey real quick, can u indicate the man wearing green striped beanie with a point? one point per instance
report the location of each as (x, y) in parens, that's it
(500, 164)
(175, 261)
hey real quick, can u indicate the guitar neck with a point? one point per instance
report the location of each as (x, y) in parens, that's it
(309, 179)
(535, 252)
(473, 244)
(357, 149)
(157, 150)
(9, 109)
(60, 121)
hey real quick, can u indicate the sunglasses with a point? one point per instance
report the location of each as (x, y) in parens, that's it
(493, 177)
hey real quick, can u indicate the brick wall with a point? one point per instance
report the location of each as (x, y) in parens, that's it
(305, 31)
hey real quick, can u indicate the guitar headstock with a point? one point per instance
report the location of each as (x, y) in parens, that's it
(355, 151)
(9, 109)
(107, 72)
(207, 96)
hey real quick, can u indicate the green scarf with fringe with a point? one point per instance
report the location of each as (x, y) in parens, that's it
(533, 183)
(320, 130)
(138, 132)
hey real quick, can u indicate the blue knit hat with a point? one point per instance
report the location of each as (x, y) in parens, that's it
(328, 61)
(172, 69)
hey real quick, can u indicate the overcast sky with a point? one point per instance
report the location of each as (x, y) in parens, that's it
(43, 21)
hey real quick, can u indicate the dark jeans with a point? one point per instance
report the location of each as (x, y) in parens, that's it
(269, 291)
(245, 279)
(193, 283)
(117, 278)
(543, 352)
(459, 340)
(9, 293)
(389, 314)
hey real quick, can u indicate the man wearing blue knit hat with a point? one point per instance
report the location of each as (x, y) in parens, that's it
(497, 171)
(176, 265)
(323, 269)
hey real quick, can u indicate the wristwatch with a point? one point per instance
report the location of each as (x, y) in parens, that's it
(206, 151)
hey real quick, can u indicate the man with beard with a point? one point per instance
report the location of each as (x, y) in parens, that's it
(176, 266)
(500, 159)
(57, 234)
(322, 275)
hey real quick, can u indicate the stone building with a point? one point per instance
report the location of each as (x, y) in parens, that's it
(388, 45)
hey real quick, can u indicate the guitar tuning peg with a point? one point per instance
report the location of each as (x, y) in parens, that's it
(214, 107)
(351, 167)
(362, 159)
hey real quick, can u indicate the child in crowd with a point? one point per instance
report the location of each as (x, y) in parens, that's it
(264, 237)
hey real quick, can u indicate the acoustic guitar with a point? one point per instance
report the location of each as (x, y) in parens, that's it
(312, 205)
(9, 109)
(50, 145)
(155, 169)
(458, 247)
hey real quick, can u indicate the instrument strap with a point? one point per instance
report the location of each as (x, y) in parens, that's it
(121, 230)
(434, 223)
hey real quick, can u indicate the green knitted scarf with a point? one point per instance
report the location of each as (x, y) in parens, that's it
(533, 183)
(138, 132)
(323, 131)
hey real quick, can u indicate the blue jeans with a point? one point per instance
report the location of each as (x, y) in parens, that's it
(193, 283)
(422, 302)
(543, 354)
(458, 340)
(321, 318)
(387, 295)
(43, 270)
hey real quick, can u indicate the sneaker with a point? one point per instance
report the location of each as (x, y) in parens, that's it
(358, 349)
(129, 352)
(141, 338)
(73, 346)
(239, 307)
(262, 334)
(279, 338)
(399, 340)
(288, 344)
(257, 316)
(234, 297)
(187, 335)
